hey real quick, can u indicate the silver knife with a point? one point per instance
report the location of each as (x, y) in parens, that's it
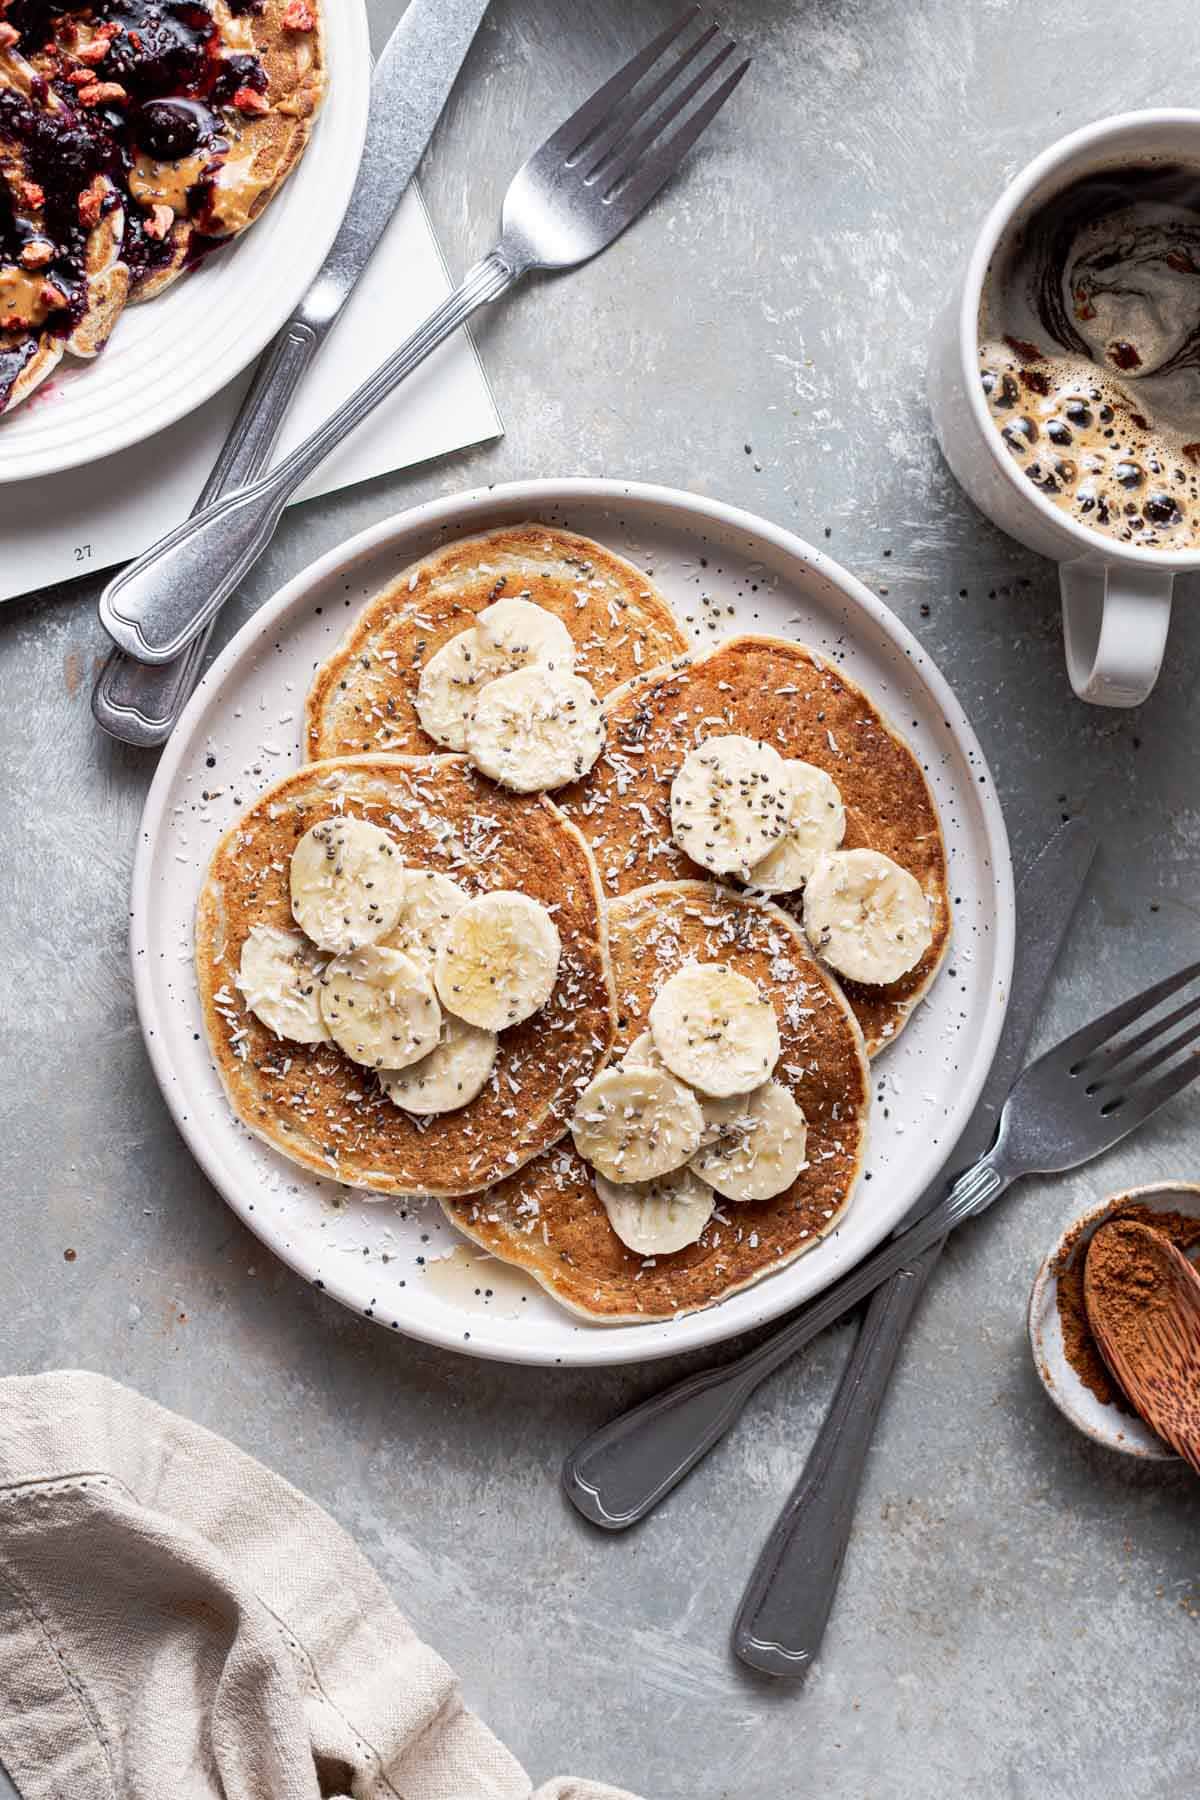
(783, 1614)
(621, 1472)
(409, 88)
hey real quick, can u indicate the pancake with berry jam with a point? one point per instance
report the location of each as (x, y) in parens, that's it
(308, 1099)
(364, 696)
(549, 1219)
(808, 710)
(134, 135)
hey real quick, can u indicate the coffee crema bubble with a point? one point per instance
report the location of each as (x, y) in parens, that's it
(1090, 353)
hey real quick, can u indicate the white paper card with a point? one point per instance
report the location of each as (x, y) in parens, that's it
(88, 518)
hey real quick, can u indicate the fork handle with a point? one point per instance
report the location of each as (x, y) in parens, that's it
(161, 601)
(781, 1621)
(621, 1472)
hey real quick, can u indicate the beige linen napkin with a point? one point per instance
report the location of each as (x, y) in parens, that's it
(178, 1623)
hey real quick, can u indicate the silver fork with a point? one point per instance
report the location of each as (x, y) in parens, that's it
(1076, 1101)
(570, 200)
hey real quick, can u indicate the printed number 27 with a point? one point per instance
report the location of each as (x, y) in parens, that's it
(83, 553)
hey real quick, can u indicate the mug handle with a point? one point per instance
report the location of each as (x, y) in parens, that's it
(1115, 624)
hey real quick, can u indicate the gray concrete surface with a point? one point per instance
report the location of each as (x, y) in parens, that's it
(1020, 1611)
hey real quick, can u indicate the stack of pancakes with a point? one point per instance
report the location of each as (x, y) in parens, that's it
(631, 908)
(133, 133)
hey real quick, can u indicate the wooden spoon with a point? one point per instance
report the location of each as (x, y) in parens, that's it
(1143, 1305)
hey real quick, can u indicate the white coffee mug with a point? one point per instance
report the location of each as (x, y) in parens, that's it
(1116, 598)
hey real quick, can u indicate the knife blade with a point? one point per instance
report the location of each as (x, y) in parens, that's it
(621, 1472)
(780, 1624)
(410, 85)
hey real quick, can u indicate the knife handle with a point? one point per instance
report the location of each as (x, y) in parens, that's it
(140, 703)
(782, 1618)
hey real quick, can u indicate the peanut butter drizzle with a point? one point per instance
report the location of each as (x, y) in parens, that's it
(166, 183)
(21, 298)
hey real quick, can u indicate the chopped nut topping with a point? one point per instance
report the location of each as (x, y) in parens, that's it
(103, 93)
(95, 52)
(37, 253)
(160, 221)
(300, 105)
(92, 199)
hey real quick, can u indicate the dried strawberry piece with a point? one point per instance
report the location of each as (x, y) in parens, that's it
(53, 297)
(297, 16)
(9, 35)
(33, 195)
(247, 101)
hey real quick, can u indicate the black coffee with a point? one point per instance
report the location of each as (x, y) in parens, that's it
(1090, 352)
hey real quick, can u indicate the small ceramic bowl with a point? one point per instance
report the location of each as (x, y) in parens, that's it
(1107, 1425)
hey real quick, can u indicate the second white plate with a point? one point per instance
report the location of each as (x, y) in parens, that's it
(402, 1265)
(167, 357)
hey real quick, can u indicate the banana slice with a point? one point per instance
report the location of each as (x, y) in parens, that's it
(450, 683)
(866, 916)
(761, 1152)
(450, 1076)
(508, 635)
(498, 961)
(428, 902)
(718, 1115)
(714, 1030)
(729, 803)
(277, 977)
(816, 822)
(636, 1124)
(346, 883)
(656, 1217)
(380, 1008)
(515, 633)
(535, 729)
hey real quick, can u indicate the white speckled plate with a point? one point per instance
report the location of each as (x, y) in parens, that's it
(169, 356)
(404, 1266)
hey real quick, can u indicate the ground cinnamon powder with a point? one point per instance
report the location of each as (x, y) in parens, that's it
(1133, 1286)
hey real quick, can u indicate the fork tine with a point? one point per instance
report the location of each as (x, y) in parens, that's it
(625, 156)
(1141, 1102)
(608, 137)
(1079, 1047)
(574, 132)
(1130, 1081)
(657, 166)
(1111, 1057)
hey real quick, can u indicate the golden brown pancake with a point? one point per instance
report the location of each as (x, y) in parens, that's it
(363, 697)
(264, 148)
(548, 1219)
(313, 1103)
(132, 136)
(788, 696)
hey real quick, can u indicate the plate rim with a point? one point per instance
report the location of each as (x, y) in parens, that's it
(268, 319)
(696, 1330)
